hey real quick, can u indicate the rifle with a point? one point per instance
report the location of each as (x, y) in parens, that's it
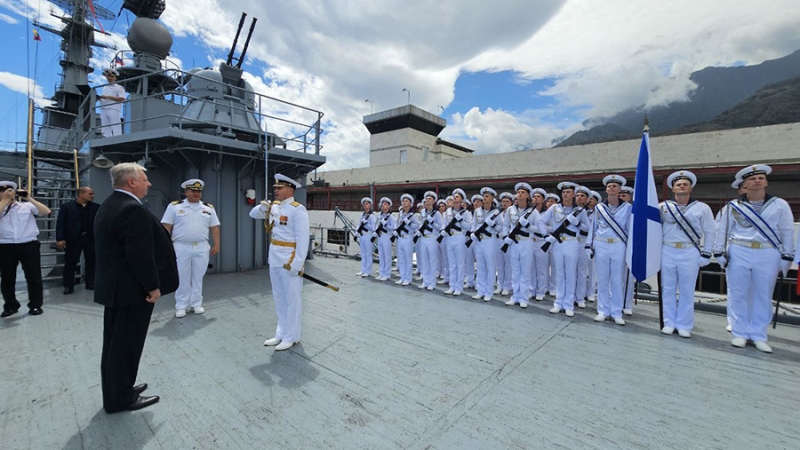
(561, 228)
(379, 231)
(426, 226)
(481, 230)
(403, 227)
(361, 228)
(514, 232)
(453, 224)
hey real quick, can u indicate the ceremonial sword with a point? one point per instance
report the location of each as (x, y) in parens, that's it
(315, 280)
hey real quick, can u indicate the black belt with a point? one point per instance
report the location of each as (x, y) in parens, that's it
(523, 233)
(570, 233)
(539, 235)
(584, 233)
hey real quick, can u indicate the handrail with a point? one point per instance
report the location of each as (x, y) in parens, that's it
(77, 171)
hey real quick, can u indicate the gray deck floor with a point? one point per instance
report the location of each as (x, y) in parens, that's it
(385, 367)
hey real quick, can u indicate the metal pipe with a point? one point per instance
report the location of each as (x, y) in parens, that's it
(77, 172)
(30, 146)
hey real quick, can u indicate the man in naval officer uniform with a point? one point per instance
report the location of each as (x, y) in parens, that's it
(487, 225)
(287, 224)
(687, 225)
(189, 222)
(425, 236)
(755, 237)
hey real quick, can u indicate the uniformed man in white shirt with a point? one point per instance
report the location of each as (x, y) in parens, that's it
(366, 227)
(504, 258)
(755, 239)
(407, 225)
(111, 104)
(740, 191)
(443, 272)
(430, 222)
(591, 282)
(384, 227)
(522, 222)
(288, 226)
(487, 226)
(189, 221)
(582, 194)
(19, 245)
(457, 221)
(626, 195)
(688, 231)
(550, 200)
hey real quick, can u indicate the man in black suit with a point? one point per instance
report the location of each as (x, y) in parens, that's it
(75, 233)
(135, 266)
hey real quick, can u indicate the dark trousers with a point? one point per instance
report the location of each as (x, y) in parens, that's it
(28, 255)
(124, 333)
(72, 258)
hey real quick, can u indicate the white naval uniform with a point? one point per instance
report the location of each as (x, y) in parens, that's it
(540, 264)
(456, 245)
(444, 264)
(289, 229)
(190, 227)
(364, 243)
(111, 110)
(565, 253)
(427, 247)
(680, 258)
(581, 284)
(609, 257)
(405, 244)
(591, 279)
(384, 239)
(503, 259)
(522, 250)
(469, 258)
(486, 246)
(753, 262)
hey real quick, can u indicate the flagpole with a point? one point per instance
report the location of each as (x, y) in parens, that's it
(658, 275)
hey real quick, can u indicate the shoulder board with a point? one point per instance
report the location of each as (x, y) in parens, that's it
(209, 205)
(176, 202)
(295, 204)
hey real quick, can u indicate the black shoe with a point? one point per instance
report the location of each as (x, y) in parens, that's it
(69, 290)
(9, 312)
(141, 402)
(89, 286)
(139, 388)
(35, 311)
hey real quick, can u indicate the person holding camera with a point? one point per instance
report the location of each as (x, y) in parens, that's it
(19, 245)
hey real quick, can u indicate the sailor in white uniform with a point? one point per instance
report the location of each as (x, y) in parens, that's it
(288, 226)
(384, 228)
(591, 281)
(443, 272)
(740, 191)
(540, 265)
(487, 225)
(550, 200)
(688, 231)
(756, 240)
(626, 195)
(430, 222)
(111, 104)
(504, 258)
(407, 225)
(189, 222)
(522, 222)
(456, 222)
(608, 238)
(366, 227)
(582, 194)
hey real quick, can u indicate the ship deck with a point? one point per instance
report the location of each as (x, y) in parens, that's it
(388, 367)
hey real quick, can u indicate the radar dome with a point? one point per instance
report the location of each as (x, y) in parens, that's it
(148, 36)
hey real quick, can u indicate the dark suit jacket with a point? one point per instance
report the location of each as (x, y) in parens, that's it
(68, 225)
(134, 253)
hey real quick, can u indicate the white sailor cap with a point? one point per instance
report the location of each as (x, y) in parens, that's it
(476, 198)
(385, 200)
(495, 203)
(109, 70)
(539, 191)
(441, 202)
(408, 196)
(583, 189)
(460, 192)
(627, 190)
(737, 183)
(507, 195)
(419, 205)
(449, 198)
(566, 185)
(681, 175)
(431, 194)
(596, 196)
(283, 180)
(488, 190)
(755, 169)
(522, 185)
(614, 178)
(195, 184)
(8, 184)
(554, 197)
(366, 200)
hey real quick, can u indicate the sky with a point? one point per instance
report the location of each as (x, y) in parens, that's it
(506, 75)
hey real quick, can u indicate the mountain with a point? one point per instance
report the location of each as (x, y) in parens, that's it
(718, 89)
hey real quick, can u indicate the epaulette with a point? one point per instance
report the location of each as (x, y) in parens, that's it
(176, 202)
(209, 205)
(295, 204)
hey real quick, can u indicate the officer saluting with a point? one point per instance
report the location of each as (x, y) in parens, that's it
(288, 224)
(755, 235)
(686, 223)
(189, 222)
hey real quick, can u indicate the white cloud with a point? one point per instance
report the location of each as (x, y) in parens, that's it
(8, 19)
(24, 85)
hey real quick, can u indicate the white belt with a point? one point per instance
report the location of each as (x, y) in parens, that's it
(751, 244)
(191, 244)
(522, 238)
(456, 233)
(568, 238)
(610, 240)
(429, 235)
(679, 244)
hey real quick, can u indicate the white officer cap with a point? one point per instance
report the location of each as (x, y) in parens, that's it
(109, 70)
(441, 202)
(495, 203)
(488, 190)
(408, 196)
(554, 197)
(507, 195)
(194, 184)
(681, 175)
(431, 194)
(465, 204)
(756, 169)
(614, 178)
(566, 185)
(386, 200)
(737, 183)
(627, 189)
(523, 185)
(539, 191)
(460, 192)
(366, 200)
(8, 184)
(583, 189)
(283, 180)
(596, 196)
(477, 198)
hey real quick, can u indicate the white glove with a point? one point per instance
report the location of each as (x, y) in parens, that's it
(265, 205)
(442, 233)
(294, 272)
(490, 221)
(723, 262)
(786, 264)
(394, 233)
(458, 216)
(407, 220)
(508, 240)
(704, 261)
(589, 253)
(550, 239)
(417, 234)
(572, 220)
(523, 221)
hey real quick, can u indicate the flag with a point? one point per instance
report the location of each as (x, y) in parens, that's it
(118, 61)
(644, 244)
(36, 36)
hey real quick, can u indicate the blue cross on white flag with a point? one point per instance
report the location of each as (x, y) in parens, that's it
(644, 248)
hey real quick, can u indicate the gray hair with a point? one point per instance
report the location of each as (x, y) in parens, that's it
(121, 173)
